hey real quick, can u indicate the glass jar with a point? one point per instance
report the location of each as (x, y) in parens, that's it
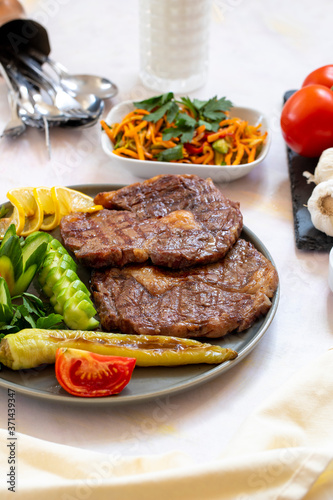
(174, 38)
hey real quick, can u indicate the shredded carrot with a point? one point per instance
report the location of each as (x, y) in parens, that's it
(137, 128)
(229, 121)
(125, 121)
(137, 142)
(228, 157)
(252, 154)
(198, 159)
(201, 129)
(240, 131)
(247, 151)
(166, 144)
(208, 153)
(221, 133)
(107, 129)
(158, 125)
(239, 156)
(125, 151)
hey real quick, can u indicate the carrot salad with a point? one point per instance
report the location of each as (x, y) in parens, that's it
(185, 131)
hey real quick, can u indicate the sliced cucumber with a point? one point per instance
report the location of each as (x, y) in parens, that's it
(19, 260)
(34, 249)
(24, 280)
(58, 301)
(37, 234)
(64, 261)
(68, 294)
(79, 312)
(12, 249)
(7, 271)
(55, 244)
(54, 275)
(11, 231)
(6, 310)
(68, 278)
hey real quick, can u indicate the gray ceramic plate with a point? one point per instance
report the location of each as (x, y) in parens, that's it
(146, 383)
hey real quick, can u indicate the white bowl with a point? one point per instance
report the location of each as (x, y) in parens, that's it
(218, 173)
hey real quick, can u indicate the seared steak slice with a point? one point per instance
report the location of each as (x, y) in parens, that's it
(174, 220)
(203, 301)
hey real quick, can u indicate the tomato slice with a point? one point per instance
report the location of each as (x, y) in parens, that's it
(91, 375)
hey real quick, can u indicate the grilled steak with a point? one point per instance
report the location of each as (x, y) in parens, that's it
(174, 220)
(203, 301)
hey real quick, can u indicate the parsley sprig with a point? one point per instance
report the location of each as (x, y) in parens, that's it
(30, 312)
(209, 113)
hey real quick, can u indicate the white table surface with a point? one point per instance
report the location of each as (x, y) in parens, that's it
(258, 50)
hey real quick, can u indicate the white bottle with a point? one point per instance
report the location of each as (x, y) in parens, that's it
(174, 38)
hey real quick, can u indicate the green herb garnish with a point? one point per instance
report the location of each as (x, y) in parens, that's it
(28, 311)
(209, 113)
(155, 102)
(171, 154)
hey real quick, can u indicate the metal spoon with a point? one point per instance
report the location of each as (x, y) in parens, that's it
(61, 99)
(82, 106)
(79, 84)
(88, 106)
(83, 84)
(30, 99)
(49, 111)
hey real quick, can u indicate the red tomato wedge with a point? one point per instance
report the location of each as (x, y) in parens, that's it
(91, 375)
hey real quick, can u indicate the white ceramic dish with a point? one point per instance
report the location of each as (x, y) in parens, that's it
(219, 173)
(330, 270)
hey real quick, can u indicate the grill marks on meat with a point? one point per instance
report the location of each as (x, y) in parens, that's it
(160, 195)
(175, 220)
(204, 301)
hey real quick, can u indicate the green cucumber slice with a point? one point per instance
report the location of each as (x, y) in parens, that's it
(12, 249)
(37, 234)
(62, 295)
(7, 272)
(55, 244)
(6, 310)
(11, 231)
(79, 313)
(52, 277)
(62, 285)
(65, 262)
(24, 280)
(66, 280)
(34, 249)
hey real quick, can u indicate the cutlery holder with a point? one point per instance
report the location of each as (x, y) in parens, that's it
(22, 35)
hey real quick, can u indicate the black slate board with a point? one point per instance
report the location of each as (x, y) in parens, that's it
(306, 235)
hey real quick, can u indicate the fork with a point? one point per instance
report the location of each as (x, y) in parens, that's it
(15, 126)
(61, 99)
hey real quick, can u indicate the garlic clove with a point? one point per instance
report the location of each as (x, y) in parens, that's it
(324, 169)
(320, 206)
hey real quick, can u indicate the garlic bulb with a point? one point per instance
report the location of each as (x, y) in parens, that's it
(320, 206)
(324, 169)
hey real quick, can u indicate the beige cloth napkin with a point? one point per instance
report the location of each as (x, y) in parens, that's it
(284, 451)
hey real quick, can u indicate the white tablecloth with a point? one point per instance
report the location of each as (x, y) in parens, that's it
(259, 49)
